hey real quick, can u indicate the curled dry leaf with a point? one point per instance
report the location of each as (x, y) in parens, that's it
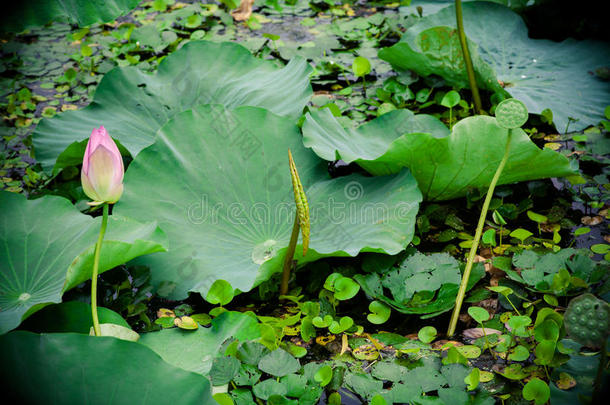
(244, 11)
(490, 304)
(565, 381)
(165, 313)
(486, 264)
(445, 344)
(475, 333)
(591, 221)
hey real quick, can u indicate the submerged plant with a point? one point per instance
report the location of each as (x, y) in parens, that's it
(510, 114)
(102, 181)
(301, 222)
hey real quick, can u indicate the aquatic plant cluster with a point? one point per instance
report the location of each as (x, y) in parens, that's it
(408, 203)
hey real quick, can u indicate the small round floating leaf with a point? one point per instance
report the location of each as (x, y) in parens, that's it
(324, 375)
(220, 293)
(380, 313)
(469, 351)
(536, 390)
(547, 330)
(450, 99)
(505, 291)
(473, 379)
(378, 400)
(346, 288)
(521, 234)
(427, 334)
(202, 319)
(338, 327)
(511, 113)
(361, 66)
(223, 398)
(478, 314)
(582, 231)
(520, 353)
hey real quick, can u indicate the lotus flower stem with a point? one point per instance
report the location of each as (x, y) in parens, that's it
(477, 238)
(467, 60)
(96, 264)
(290, 256)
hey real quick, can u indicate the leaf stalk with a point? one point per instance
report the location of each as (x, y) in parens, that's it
(477, 238)
(467, 60)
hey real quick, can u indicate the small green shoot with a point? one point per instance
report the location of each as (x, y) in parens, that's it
(361, 67)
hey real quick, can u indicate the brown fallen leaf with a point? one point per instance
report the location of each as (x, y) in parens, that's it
(565, 382)
(165, 313)
(444, 344)
(244, 11)
(475, 333)
(344, 345)
(490, 304)
(591, 221)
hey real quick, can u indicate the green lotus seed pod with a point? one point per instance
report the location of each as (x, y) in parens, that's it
(511, 113)
(587, 320)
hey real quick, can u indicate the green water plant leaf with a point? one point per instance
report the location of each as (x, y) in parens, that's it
(542, 73)
(133, 105)
(380, 312)
(70, 316)
(33, 13)
(75, 368)
(427, 334)
(422, 284)
(230, 214)
(196, 350)
(536, 390)
(39, 263)
(279, 363)
(446, 165)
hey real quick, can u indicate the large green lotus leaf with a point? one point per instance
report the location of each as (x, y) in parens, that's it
(70, 316)
(31, 13)
(70, 368)
(446, 165)
(196, 350)
(47, 246)
(541, 73)
(218, 182)
(133, 105)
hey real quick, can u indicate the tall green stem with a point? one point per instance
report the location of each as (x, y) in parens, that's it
(290, 256)
(467, 60)
(96, 264)
(477, 237)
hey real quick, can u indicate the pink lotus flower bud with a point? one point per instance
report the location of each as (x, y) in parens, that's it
(102, 174)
